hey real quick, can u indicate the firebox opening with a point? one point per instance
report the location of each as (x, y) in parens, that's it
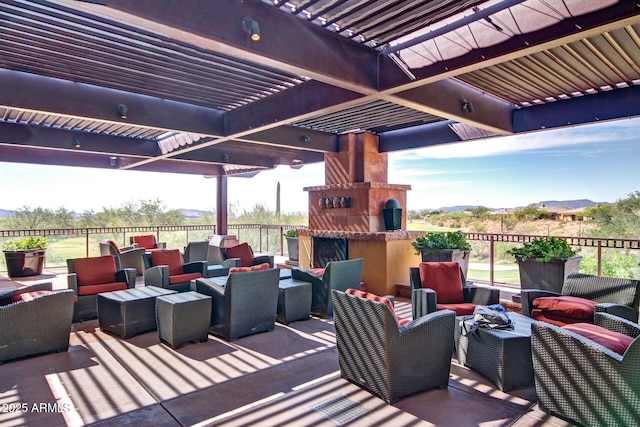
(327, 249)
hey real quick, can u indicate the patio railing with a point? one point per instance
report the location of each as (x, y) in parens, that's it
(488, 248)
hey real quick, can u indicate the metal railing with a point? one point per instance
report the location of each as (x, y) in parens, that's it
(82, 241)
(261, 237)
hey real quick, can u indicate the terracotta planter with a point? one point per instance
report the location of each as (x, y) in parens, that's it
(447, 255)
(25, 262)
(549, 276)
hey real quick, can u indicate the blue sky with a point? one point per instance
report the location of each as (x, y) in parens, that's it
(597, 162)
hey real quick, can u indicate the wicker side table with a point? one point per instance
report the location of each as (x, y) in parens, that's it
(183, 317)
(294, 300)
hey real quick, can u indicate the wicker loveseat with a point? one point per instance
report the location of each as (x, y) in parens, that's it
(35, 325)
(391, 361)
(608, 294)
(589, 383)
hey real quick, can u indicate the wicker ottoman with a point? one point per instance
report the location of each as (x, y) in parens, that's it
(294, 300)
(183, 318)
(503, 356)
(129, 312)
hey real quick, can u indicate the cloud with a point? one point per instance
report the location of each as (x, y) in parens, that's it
(582, 138)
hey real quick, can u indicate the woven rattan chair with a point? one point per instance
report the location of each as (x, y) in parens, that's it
(339, 275)
(613, 295)
(425, 300)
(582, 381)
(388, 361)
(129, 256)
(41, 324)
(90, 276)
(242, 303)
(166, 269)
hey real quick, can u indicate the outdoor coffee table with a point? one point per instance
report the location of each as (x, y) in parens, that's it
(503, 356)
(129, 312)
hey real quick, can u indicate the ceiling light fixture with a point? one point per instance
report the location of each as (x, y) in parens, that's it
(76, 142)
(467, 105)
(122, 111)
(113, 161)
(250, 26)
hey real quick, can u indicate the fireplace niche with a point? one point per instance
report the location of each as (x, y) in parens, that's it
(349, 208)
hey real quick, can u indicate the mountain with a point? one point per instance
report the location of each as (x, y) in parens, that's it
(5, 213)
(195, 213)
(571, 204)
(458, 208)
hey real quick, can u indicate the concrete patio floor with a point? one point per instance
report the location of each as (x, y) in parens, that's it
(286, 377)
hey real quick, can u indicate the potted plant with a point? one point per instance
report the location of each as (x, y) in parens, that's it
(25, 257)
(444, 247)
(545, 263)
(293, 245)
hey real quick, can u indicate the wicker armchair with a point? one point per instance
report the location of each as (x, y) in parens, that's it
(130, 256)
(148, 242)
(242, 303)
(218, 264)
(580, 380)
(90, 276)
(425, 301)
(339, 275)
(388, 361)
(612, 295)
(36, 326)
(166, 269)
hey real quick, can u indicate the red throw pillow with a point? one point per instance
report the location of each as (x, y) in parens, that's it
(568, 306)
(95, 270)
(171, 257)
(612, 340)
(317, 271)
(28, 296)
(444, 278)
(374, 297)
(263, 266)
(147, 242)
(243, 252)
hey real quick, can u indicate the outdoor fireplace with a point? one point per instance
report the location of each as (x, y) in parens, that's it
(346, 216)
(327, 249)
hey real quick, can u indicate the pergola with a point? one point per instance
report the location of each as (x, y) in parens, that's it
(230, 87)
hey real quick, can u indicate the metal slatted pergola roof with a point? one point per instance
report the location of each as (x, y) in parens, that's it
(204, 98)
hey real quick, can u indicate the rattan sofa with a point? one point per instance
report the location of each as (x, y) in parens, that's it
(41, 325)
(242, 303)
(584, 382)
(388, 361)
(614, 295)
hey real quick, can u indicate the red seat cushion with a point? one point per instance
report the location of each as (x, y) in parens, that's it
(29, 296)
(244, 252)
(383, 300)
(461, 309)
(567, 306)
(95, 270)
(263, 266)
(183, 278)
(554, 319)
(444, 278)
(102, 287)
(171, 258)
(612, 340)
(147, 241)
